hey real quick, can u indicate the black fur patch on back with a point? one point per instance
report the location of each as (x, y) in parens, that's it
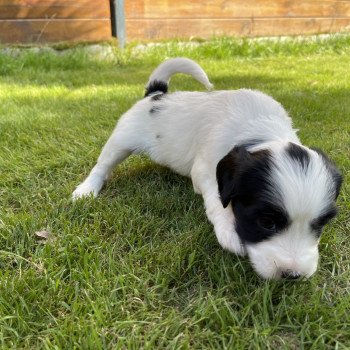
(299, 154)
(156, 86)
(156, 105)
(157, 97)
(155, 109)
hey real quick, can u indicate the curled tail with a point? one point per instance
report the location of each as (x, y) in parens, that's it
(159, 79)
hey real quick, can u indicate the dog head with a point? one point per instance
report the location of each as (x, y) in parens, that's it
(282, 195)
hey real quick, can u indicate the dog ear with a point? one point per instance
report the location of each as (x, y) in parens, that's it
(226, 173)
(331, 167)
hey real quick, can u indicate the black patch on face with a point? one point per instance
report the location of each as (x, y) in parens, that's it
(244, 180)
(156, 86)
(318, 223)
(259, 221)
(243, 175)
(335, 173)
(298, 154)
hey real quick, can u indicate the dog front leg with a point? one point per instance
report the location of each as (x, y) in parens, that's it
(222, 218)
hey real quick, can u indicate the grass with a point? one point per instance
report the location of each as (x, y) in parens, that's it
(140, 267)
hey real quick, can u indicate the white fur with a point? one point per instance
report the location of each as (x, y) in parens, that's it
(179, 65)
(191, 132)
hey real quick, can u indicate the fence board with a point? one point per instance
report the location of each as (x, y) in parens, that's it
(61, 20)
(182, 28)
(235, 8)
(36, 9)
(41, 31)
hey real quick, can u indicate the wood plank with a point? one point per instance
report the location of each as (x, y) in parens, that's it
(32, 9)
(185, 28)
(237, 8)
(41, 31)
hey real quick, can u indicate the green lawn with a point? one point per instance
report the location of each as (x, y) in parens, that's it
(140, 267)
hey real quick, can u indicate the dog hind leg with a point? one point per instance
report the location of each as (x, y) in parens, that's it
(123, 142)
(111, 155)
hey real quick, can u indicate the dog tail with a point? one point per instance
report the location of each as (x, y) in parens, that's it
(159, 79)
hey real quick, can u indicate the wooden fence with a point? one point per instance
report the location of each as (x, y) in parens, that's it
(157, 19)
(36, 21)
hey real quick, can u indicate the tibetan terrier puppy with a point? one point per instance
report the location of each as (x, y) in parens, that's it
(266, 194)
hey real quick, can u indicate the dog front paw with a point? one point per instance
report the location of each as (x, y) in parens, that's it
(230, 241)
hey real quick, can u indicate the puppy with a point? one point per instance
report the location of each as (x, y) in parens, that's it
(265, 193)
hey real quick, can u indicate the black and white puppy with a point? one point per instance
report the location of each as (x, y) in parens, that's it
(265, 193)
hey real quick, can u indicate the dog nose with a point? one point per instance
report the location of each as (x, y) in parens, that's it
(291, 275)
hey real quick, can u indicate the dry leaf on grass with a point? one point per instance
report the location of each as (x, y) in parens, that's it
(45, 236)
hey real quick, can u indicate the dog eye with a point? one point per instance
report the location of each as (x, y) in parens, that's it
(318, 223)
(267, 223)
